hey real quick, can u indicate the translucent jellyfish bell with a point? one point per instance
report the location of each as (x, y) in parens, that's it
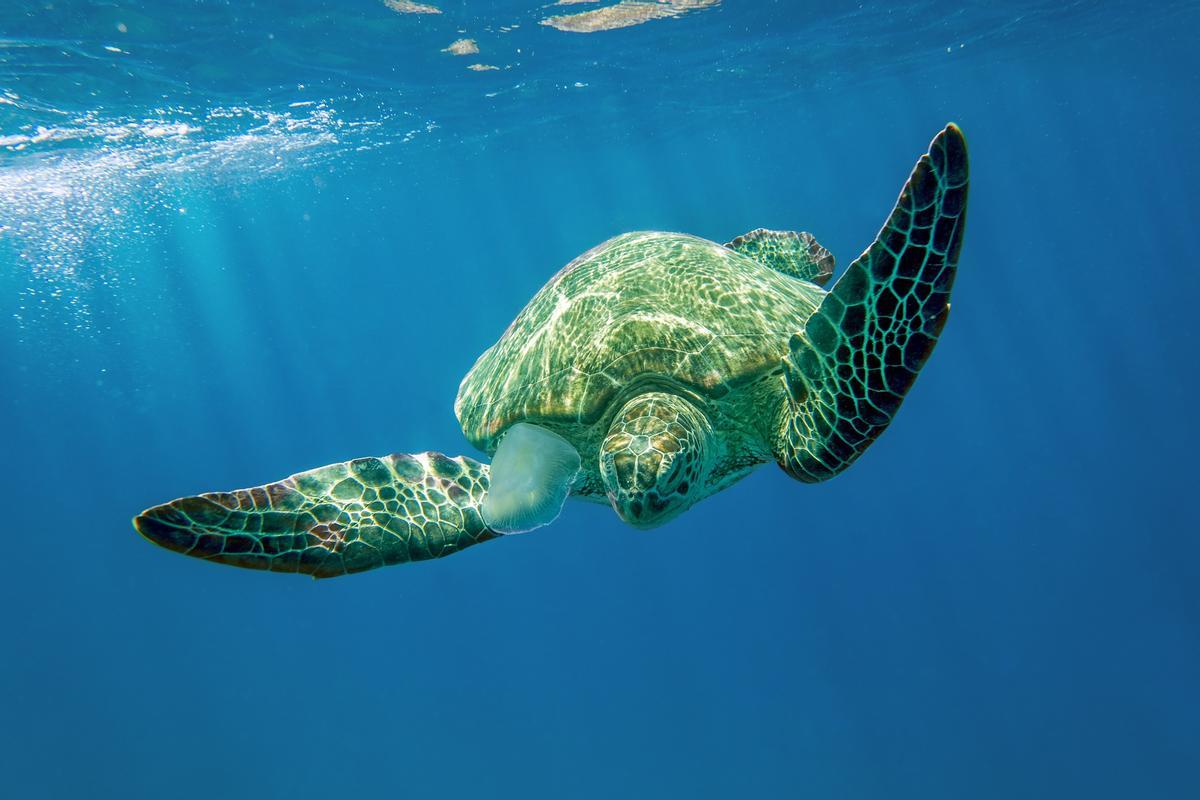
(532, 473)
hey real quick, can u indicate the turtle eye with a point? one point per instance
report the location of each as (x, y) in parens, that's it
(674, 469)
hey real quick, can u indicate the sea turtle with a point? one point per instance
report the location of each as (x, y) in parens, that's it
(651, 372)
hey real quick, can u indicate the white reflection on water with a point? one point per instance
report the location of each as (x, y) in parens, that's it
(76, 190)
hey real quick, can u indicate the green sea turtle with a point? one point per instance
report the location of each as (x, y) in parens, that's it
(651, 372)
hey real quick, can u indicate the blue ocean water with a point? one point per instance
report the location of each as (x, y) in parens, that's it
(239, 240)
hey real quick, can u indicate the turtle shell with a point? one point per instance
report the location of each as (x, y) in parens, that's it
(641, 309)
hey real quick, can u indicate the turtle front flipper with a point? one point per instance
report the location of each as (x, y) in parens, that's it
(860, 352)
(344, 518)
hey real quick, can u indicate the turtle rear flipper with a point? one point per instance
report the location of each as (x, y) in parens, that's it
(797, 254)
(335, 520)
(860, 352)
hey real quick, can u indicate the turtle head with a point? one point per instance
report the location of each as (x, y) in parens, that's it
(655, 458)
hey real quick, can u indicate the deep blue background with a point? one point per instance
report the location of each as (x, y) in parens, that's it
(1000, 600)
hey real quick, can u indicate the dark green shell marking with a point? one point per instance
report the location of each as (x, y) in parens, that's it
(349, 517)
(795, 254)
(858, 355)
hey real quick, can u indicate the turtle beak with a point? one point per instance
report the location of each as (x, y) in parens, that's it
(643, 510)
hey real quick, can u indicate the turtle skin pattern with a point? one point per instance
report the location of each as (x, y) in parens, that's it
(335, 520)
(859, 354)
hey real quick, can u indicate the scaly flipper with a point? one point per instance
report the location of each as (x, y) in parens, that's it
(797, 254)
(349, 517)
(858, 355)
